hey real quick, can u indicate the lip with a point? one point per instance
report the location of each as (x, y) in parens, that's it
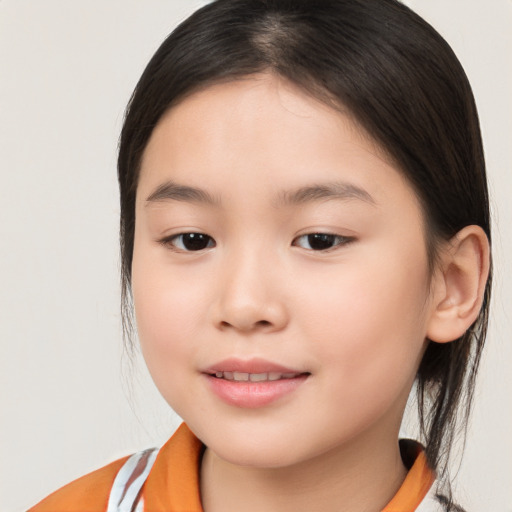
(255, 365)
(251, 395)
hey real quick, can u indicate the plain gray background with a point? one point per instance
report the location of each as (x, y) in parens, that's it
(70, 402)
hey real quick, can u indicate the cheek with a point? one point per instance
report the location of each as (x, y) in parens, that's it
(167, 310)
(168, 307)
(370, 322)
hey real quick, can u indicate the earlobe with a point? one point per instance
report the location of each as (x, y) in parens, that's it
(459, 284)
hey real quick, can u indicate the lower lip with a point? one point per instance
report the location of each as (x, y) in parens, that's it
(253, 394)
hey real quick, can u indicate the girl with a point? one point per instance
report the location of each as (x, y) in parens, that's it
(304, 235)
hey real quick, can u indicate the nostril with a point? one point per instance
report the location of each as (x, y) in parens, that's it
(248, 326)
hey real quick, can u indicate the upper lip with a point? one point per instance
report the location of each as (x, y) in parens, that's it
(255, 365)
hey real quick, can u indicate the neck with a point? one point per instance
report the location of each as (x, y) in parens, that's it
(362, 477)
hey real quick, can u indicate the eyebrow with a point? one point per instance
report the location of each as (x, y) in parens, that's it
(171, 191)
(318, 192)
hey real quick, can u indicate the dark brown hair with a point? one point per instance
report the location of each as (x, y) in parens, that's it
(398, 78)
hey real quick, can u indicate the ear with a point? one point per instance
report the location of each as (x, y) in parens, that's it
(459, 284)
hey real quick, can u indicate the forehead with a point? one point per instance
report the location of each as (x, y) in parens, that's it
(264, 131)
(258, 98)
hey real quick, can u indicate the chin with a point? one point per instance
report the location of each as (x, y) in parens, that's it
(257, 446)
(263, 456)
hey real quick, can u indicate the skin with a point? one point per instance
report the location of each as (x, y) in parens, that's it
(355, 317)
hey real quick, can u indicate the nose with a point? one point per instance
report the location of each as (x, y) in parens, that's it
(251, 297)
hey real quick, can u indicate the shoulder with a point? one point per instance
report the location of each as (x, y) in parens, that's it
(176, 462)
(89, 493)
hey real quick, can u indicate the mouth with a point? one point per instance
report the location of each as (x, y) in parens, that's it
(256, 377)
(254, 383)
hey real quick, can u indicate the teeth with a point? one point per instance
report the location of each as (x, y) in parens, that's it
(254, 377)
(258, 377)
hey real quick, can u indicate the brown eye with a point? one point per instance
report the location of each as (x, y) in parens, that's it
(320, 241)
(191, 242)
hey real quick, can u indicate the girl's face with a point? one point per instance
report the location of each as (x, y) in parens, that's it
(280, 275)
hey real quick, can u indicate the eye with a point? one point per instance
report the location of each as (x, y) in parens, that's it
(321, 241)
(189, 242)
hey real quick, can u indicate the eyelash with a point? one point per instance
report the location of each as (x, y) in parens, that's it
(322, 237)
(318, 237)
(170, 241)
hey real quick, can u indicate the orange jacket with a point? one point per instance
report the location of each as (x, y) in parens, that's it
(173, 483)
